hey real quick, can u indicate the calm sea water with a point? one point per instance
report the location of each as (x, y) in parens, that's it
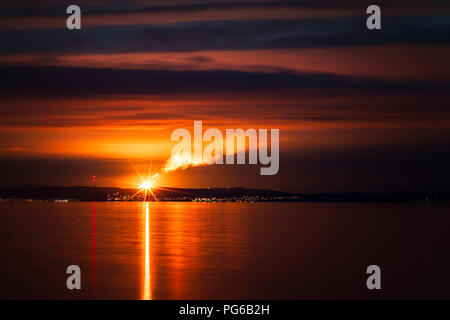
(224, 250)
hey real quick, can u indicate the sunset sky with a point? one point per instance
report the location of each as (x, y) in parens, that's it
(358, 110)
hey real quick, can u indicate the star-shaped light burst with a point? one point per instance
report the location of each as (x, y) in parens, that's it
(147, 184)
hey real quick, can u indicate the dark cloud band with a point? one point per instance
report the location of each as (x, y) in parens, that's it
(228, 35)
(58, 81)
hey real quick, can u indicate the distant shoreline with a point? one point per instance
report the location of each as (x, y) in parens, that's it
(238, 194)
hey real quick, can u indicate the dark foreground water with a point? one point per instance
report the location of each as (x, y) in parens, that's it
(224, 250)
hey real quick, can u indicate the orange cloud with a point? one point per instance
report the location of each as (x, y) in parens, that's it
(386, 62)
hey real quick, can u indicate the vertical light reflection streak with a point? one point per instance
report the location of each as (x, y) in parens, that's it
(147, 288)
(93, 249)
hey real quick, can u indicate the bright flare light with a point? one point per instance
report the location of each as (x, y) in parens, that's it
(145, 185)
